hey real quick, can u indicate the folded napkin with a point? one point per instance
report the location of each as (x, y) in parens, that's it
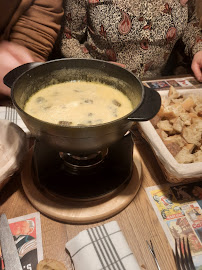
(101, 247)
(15, 118)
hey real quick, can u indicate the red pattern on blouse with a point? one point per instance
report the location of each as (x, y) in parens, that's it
(171, 34)
(167, 9)
(125, 24)
(102, 31)
(68, 33)
(111, 55)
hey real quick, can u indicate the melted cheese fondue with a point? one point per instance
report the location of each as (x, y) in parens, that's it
(78, 103)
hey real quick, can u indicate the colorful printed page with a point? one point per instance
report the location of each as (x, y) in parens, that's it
(178, 83)
(179, 210)
(26, 232)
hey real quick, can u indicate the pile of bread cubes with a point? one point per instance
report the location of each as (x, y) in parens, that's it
(179, 125)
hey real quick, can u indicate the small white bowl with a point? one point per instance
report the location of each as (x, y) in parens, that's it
(13, 147)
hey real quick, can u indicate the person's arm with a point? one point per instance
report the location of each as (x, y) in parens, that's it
(192, 39)
(75, 30)
(12, 55)
(38, 28)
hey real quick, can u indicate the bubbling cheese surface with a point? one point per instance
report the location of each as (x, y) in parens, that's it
(78, 103)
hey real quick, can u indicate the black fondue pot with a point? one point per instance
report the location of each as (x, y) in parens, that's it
(80, 140)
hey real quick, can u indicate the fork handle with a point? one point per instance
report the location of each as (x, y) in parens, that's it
(157, 264)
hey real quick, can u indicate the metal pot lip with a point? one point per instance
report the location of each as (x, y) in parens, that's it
(125, 117)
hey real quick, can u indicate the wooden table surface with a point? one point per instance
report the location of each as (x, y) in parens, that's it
(137, 221)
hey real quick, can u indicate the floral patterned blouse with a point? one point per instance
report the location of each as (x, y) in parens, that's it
(137, 33)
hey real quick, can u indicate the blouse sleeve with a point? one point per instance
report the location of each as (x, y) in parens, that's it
(192, 37)
(38, 27)
(75, 28)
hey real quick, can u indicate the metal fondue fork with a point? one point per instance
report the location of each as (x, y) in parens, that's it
(11, 114)
(183, 257)
(151, 249)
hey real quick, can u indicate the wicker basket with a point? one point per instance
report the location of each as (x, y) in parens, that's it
(173, 171)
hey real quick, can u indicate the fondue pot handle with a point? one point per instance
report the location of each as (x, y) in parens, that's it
(11, 76)
(149, 107)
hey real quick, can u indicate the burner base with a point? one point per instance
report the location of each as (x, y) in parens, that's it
(100, 182)
(75, 212)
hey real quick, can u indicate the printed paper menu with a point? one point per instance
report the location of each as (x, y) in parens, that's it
(26, 232)
(164, 84)
(179, 210)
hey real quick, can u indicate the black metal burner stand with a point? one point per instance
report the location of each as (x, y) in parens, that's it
(111, 176)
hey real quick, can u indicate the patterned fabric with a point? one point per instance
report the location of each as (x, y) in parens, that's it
(9, 113)
(137, 33)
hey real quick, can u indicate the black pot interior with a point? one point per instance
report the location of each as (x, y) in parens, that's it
(63, 70)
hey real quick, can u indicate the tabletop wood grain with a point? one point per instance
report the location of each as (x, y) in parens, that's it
(137, 221)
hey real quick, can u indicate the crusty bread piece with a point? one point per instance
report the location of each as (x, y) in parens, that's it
(197, 99)
(161, 111)
(172, 93)
(189, 147)
(178, 109)
(172, 120)
(49, 264)
(161, 133)
(177, 100)
(176, 139)
(193, 115)
(172, 147)
(165, 125)
(198, 156)
(178, 125)
(191, 135)
(165, 101)
(198, 107)
(169, 113)
(155, 120)
(186, 118)
(188, 103)
(185, 156)
(199, 113)
(173, 111)
(197, 123)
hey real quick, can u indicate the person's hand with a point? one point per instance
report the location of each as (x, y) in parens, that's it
(183, 2)
(12, 55)
(119, 64)
(196, 66)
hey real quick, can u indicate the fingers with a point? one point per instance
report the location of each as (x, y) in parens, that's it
(119, 64)
(197, 71)
(183, 2)
(197, 65)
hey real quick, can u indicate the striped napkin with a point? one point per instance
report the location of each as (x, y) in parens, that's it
(10, 114)
(101, 247)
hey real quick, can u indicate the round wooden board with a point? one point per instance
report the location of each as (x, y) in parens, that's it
(80, 212)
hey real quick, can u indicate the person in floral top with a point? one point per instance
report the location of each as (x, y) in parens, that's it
(138, 34)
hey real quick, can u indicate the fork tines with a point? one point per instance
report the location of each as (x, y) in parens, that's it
(183, 256)
(11, 114)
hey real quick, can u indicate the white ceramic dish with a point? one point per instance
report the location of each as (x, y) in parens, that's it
(174, 171)
(13, 147)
